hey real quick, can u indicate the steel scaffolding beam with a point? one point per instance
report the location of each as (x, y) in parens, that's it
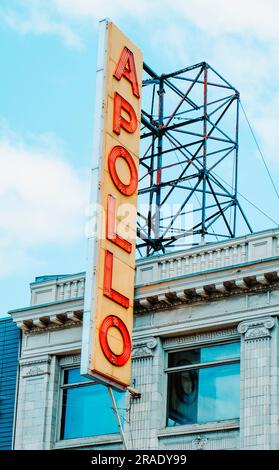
(189, 160)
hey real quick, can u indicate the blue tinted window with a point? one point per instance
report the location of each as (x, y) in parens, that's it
(87, 409)
(205, 393)
(72, 376)
(203, 355)
(220, 352)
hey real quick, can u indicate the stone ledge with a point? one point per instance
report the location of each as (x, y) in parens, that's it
(105, 439)
(199, 428)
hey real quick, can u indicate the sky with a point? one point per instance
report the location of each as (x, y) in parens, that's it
(48, 60)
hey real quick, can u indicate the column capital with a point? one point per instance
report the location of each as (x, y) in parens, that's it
(256, 328)
(144, 348)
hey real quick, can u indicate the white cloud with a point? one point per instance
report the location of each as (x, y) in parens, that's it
(36, 19)
(55, 16)
(256, 17)
(102, 9)
(240, 39)
(252, 18)
(42, 201)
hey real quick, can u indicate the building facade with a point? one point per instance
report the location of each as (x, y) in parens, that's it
(205, 356)
(9, 346)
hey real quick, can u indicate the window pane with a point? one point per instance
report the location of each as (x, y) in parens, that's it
(87, 411)
(219, 393)
(72, 376)
(203, 355)
(217, 353)
(203, 395)
(184, 358)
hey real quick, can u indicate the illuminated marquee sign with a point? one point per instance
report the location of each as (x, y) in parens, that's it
(108, 315)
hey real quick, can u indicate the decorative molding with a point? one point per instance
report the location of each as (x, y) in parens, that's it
(144, 348)
(257, 328)
(32, 361)
(221, 440)
(183, 292)
(218, 335)
(66, 361)
(58, 321)
(225, 254)
(199, 443)
(37, 331)
(35, 367)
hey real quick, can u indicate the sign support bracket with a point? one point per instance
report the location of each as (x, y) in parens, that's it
(116, 412)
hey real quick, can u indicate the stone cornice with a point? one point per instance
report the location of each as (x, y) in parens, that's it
(38, 310)
(164, 295)
(207, 287)
(46, 321)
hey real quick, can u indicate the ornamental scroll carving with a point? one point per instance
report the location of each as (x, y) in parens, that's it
(144, 348)
(257, 328)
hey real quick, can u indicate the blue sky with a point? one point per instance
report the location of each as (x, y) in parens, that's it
(48, 56)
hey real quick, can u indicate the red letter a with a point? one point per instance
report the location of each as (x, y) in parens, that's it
(126, 68)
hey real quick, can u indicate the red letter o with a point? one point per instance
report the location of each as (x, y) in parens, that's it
(120, 152)
(115, 359)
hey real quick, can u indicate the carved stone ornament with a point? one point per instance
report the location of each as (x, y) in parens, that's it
(35, 367)
(169, 343)
(67, 361)
(257, 328)
(199, 443)
(144, 348)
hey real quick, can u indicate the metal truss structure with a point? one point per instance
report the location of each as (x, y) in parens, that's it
(189, 160)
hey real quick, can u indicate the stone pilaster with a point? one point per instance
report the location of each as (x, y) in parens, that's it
(33, 413)
(145, 413)
(256, 383)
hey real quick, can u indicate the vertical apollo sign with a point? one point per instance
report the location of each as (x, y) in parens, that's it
(109, 294)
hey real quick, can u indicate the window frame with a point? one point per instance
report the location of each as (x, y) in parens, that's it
(62, 387)
(62, 369)
(170, 370)
(81, 441)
